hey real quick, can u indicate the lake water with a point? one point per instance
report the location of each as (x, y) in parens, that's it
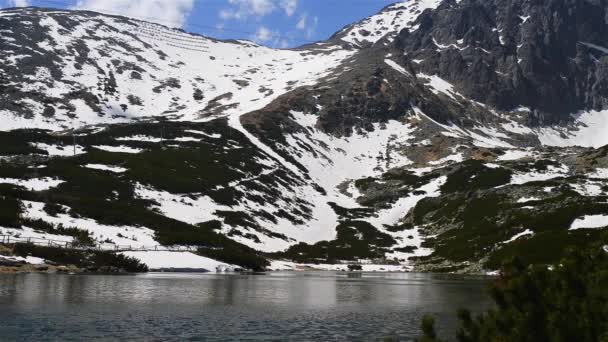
(208, 307)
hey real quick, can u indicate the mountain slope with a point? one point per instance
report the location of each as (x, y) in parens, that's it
(83, 68)
(414, 137)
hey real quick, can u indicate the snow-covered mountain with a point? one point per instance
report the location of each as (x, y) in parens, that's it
(435, 134)
(385, 24)
(71, 69)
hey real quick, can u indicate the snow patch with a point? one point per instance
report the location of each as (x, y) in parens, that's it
(517, 236)
(213, 136)
(397, 67)
(119, 149)
(599, 173)
(142, 138)
(59, 151)
(551, 173)
(514, 155)
(528, 199)
(590, 221)
(115, 169)
(34, 184)
(281, 265)
(119, 235)
(28, 260)
(181, 208)
(589, 131)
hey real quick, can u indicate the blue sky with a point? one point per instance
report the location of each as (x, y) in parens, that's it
(276, 23)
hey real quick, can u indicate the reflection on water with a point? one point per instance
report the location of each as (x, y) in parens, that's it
(277, 306)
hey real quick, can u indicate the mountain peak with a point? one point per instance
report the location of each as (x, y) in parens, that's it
(388, 22)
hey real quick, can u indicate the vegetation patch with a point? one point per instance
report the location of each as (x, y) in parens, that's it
(545, 247)
(89, 260)
(473, 175)
(351, 213)
(81, 237)
(10, 211)
(471, 225)
(355, 240)
(565, 302)
(393, 185)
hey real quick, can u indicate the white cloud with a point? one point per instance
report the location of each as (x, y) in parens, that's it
(171, 13)
(271, 38)
(18, 3)
(245, 8)
(256, 10)
(301, 25)
(264, 34)
(242, 9)
(289, 6)
(307, 24)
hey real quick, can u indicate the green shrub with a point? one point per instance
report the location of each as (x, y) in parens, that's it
(10, 212)
(568, 302)
(54, 209)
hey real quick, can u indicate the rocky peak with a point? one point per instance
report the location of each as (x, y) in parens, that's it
(548, 56)
(385, 24)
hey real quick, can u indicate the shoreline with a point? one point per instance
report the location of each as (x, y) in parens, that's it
(179, 264)
(73, 270)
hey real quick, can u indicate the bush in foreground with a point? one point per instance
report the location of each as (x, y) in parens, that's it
(567, 302)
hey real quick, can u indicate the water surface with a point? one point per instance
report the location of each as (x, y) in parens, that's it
(205, 307)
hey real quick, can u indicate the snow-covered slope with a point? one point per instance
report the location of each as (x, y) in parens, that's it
(341, 150)
(587, 130)
(105, 69)
(388, 23)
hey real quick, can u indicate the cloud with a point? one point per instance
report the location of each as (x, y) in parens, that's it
(289, 6)
(256, 11)
(245, 8)
(301, 25)
(312, 28)
(18, 3)
(264, 34)
(308, 25)
(171, 13)
(271, 38)
(242, 9)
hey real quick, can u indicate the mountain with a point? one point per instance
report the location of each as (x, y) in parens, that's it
(435, 135)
